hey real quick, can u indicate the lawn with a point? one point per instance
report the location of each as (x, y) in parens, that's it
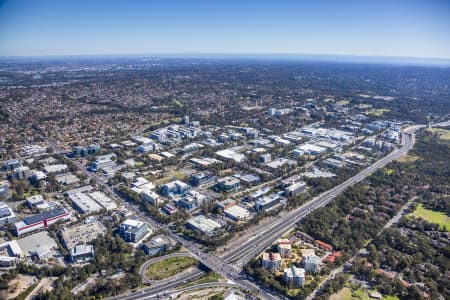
(408, 158)
(434, 217)
(444, 134)
(342, 102)
(349, 293)
(388, 172)
(209, 277)
(376, 111)
(169, 267)
(171, 176)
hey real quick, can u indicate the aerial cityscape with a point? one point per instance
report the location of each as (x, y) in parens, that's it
(173, 170)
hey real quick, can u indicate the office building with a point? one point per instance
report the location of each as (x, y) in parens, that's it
(175, 188)
(267, 202)
(133, 230)
(202, 178)
(227, 184)
(192, 200)
(295, 188)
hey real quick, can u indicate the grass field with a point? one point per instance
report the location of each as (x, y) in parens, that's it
(444, 134)
(434, 217)
(169, 267)
(376, 111)
(343, 102)
(170, 176)
(408, 158)
(349, 293)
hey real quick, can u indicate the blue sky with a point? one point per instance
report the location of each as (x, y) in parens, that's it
(348, 27)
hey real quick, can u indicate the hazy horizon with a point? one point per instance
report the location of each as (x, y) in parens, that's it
(413, 29)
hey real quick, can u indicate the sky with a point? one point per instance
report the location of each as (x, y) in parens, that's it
(408, 28)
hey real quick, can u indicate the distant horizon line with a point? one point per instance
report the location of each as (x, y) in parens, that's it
(367, 58)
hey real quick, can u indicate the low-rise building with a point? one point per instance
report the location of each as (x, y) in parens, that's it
(202, 178)
(203, 224)
(151, 197)
(58, 168)
(82, 253)
(237, 213)
(271, 261)
(105, 201)
(6, 213)
(294, 277)
(267, 202)
(158, 244)
(227, 184)
(85, 204)
(38, 202)
(41, 220)
(39, 245)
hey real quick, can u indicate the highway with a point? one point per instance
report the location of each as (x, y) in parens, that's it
(229, 264)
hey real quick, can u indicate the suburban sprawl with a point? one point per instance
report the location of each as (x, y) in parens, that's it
(148, 178)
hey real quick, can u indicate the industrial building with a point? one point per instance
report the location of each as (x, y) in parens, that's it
(105, 201)
(237, 213)
(231, 154)
(39, 245)
(203, 224)
(85, 204)
(41, 220)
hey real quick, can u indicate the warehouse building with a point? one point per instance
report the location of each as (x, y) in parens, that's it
(203, 224)
(41, 220)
